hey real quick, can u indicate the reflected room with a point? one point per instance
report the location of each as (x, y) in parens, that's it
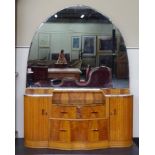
(93, 48)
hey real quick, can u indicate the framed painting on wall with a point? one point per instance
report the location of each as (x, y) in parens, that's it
(105, 43)
(89, 45)
(76, 43)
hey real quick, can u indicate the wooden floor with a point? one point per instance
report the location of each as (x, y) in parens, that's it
(21, 150)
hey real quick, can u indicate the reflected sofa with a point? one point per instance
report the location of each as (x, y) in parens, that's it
(99, 77)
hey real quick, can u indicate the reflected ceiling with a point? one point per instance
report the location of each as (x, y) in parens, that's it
(74, 14)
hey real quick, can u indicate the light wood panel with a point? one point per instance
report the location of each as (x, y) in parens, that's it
(36, 126)
(120, 120)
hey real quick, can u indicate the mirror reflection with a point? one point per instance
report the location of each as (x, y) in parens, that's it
(78, 47)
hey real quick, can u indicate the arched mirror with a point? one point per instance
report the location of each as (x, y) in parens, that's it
(93, 48)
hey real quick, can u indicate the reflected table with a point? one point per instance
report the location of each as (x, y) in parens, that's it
(60, 73)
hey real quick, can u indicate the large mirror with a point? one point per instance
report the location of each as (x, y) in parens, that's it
(77, 47)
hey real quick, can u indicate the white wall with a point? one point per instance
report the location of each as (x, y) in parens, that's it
(123, 14)
(133, 56)
(21, 65)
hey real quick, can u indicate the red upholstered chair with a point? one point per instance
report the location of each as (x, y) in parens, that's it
(99, 77)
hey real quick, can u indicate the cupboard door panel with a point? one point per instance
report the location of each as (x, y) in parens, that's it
(121, 118)
(36, 111)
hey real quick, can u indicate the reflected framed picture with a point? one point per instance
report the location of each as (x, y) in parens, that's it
(104, 43)
(44, 40)
(76, 42)
(89, 45)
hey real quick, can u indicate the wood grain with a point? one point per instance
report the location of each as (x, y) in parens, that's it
(77, 119)
(121, 119)
(77, 97)
(36, 110)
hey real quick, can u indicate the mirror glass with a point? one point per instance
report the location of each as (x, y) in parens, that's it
(71, 46)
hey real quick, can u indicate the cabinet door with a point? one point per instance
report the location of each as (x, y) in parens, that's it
(36, 120)
(121, 120)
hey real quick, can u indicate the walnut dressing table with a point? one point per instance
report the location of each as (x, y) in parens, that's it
(77, 119)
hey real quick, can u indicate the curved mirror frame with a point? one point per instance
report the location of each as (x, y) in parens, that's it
(89, 41)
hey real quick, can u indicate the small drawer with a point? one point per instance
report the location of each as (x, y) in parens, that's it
(58, 111)
(93, 111)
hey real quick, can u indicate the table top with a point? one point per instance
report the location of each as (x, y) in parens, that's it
(64, 70)
(60, 70)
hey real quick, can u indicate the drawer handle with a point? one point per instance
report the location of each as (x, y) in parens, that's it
(94, 112)
(64, 112)
(63, 130)
(43, 112)
(94, 129)
(114, 112)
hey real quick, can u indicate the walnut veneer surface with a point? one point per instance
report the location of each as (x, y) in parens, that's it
(77, 119)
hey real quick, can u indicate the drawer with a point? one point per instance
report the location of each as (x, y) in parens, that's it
(59, 131)
(94, 130)
(98, 130)
(91, 130)
(93, 111)
(63, 111)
